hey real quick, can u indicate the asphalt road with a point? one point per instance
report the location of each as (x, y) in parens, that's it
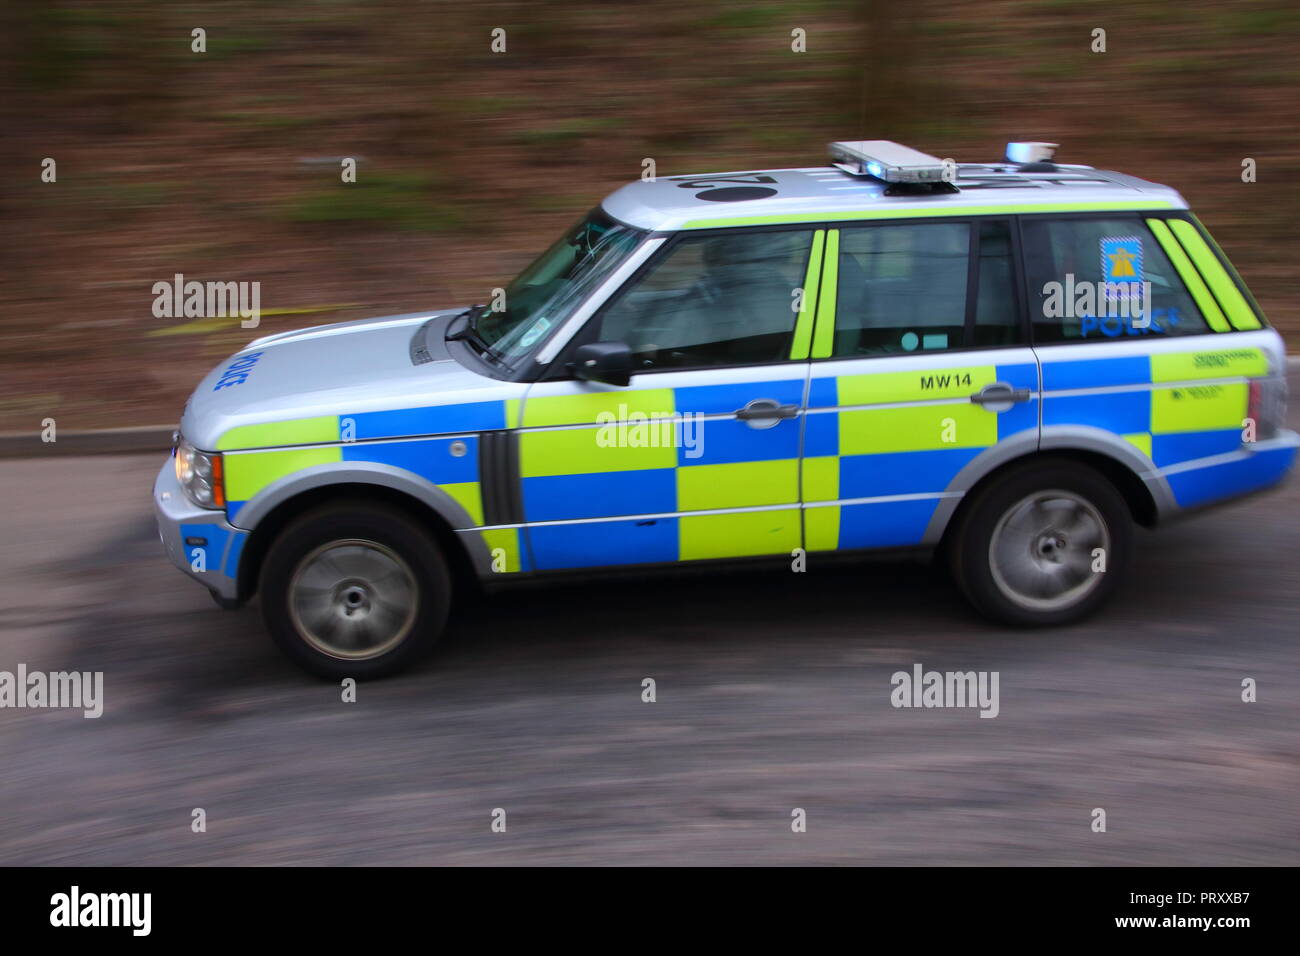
(773, 692)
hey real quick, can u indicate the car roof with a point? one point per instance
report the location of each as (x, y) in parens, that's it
(829, 194)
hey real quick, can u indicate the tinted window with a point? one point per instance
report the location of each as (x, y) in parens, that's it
(903, 288)
(997, 319)
(717, 300)
(1087, 281)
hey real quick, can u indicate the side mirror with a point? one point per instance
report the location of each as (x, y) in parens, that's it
(608, 362)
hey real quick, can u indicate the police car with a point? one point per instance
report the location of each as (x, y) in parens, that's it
(1010, 363)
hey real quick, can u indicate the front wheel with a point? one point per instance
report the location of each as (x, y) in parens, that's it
(354, 590)
(1044, 545)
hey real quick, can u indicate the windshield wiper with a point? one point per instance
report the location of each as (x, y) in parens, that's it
(469, 333)
(467, 315)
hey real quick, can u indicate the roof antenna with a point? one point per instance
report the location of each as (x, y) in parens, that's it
(1033, 157)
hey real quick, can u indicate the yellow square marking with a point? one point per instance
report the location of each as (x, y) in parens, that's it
(821, 528)
(503, 549)
(1141, 441)
(467, 495)
(821, 479)
(579, 451)
(741, 484)
(873, 431)
(248, 473)
(739, 534)
(1198, 408)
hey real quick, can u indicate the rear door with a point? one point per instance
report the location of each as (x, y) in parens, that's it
(698, 457)
(924, 369)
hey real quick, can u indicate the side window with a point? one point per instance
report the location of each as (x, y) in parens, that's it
(905, 288)
(715, 300)
(997, 318)
(1100, 279)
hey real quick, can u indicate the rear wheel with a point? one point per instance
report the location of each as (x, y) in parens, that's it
(1043, 545)
(354, 590)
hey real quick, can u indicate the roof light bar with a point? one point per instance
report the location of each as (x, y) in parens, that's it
(887, 161)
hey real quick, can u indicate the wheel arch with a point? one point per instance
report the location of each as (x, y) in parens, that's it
(425, 503)
(1146, 493)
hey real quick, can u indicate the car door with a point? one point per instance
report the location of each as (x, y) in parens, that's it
(920, 366)
(698, 456)
(1162, 382)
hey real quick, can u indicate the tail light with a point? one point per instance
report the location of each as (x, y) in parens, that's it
(1266, 406)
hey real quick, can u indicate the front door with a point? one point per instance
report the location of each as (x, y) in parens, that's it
(698, 457)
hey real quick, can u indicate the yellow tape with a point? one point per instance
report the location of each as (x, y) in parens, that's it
(1234, 304)
(803, 326)
(217, 323)
(1191, 278)
(824, 330)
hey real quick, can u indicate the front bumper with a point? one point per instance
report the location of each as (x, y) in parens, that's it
(199, 541)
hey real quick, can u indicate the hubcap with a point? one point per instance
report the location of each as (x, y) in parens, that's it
(1042, 551)
(353, 599)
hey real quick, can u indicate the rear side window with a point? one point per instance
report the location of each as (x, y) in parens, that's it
(1100, 279)
(914, 287)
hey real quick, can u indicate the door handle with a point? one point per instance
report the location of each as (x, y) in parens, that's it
(1000, 393)
(765, 413)
(763, 408)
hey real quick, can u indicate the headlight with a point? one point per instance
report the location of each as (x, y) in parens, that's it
(200, 476)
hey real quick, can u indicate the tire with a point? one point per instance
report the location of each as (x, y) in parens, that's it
(353, 589)
(1023, 552)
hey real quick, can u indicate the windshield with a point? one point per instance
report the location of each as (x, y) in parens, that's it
(545, 293)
